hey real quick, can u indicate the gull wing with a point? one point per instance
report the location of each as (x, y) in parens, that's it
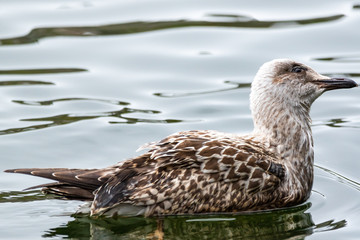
(193, 172)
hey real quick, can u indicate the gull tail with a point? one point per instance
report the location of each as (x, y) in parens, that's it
(71, 183)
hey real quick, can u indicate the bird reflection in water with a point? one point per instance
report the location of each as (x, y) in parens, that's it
(290, 223)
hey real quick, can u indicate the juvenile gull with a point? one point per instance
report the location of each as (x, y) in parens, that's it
(209, 171)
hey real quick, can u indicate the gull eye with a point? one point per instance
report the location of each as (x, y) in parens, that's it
(297, 69)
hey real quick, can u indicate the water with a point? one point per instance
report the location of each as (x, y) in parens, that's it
(85, 83)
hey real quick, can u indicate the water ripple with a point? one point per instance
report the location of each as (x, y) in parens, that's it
(238, 21)
(24, 83)
(336, 123)
(41, 70)
(21, 196)
(174, 95)
(342, 179)
(330, 225)
(51, 102)
(64, 119)
(345, 59)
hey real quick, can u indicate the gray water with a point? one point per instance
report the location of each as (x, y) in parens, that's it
(84, 83)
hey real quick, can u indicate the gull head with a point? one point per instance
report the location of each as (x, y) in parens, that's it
(291, 84)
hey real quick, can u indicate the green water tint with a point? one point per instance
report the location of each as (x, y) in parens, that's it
(236, 21)
(23, 83)
(351, 58)
(70, 118)
(22, 196)
(276, 224)
(41, 71)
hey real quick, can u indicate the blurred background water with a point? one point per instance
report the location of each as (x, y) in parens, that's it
(85, 83)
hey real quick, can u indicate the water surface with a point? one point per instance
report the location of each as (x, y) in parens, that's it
(85, 83)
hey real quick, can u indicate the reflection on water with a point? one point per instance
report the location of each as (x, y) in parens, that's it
(332, 123)
(346, 59)
(237, 86)
(51, 102)
(42, 71)
(23, 83)
(292, 223)
(64, 119)
(336, 123)
(238, 21)
(22, 196)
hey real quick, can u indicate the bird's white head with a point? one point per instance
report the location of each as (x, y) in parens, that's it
(284, 88)
(292, 83)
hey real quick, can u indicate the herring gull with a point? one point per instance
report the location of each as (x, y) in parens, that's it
(205, 171)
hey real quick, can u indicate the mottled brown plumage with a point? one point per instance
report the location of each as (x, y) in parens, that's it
(208, 171)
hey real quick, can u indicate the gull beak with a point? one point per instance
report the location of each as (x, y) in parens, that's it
(335, 83)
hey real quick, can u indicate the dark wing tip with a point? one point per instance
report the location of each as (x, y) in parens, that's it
(20, 170)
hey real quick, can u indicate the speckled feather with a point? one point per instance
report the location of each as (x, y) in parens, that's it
(208, 171)
(194, 172)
